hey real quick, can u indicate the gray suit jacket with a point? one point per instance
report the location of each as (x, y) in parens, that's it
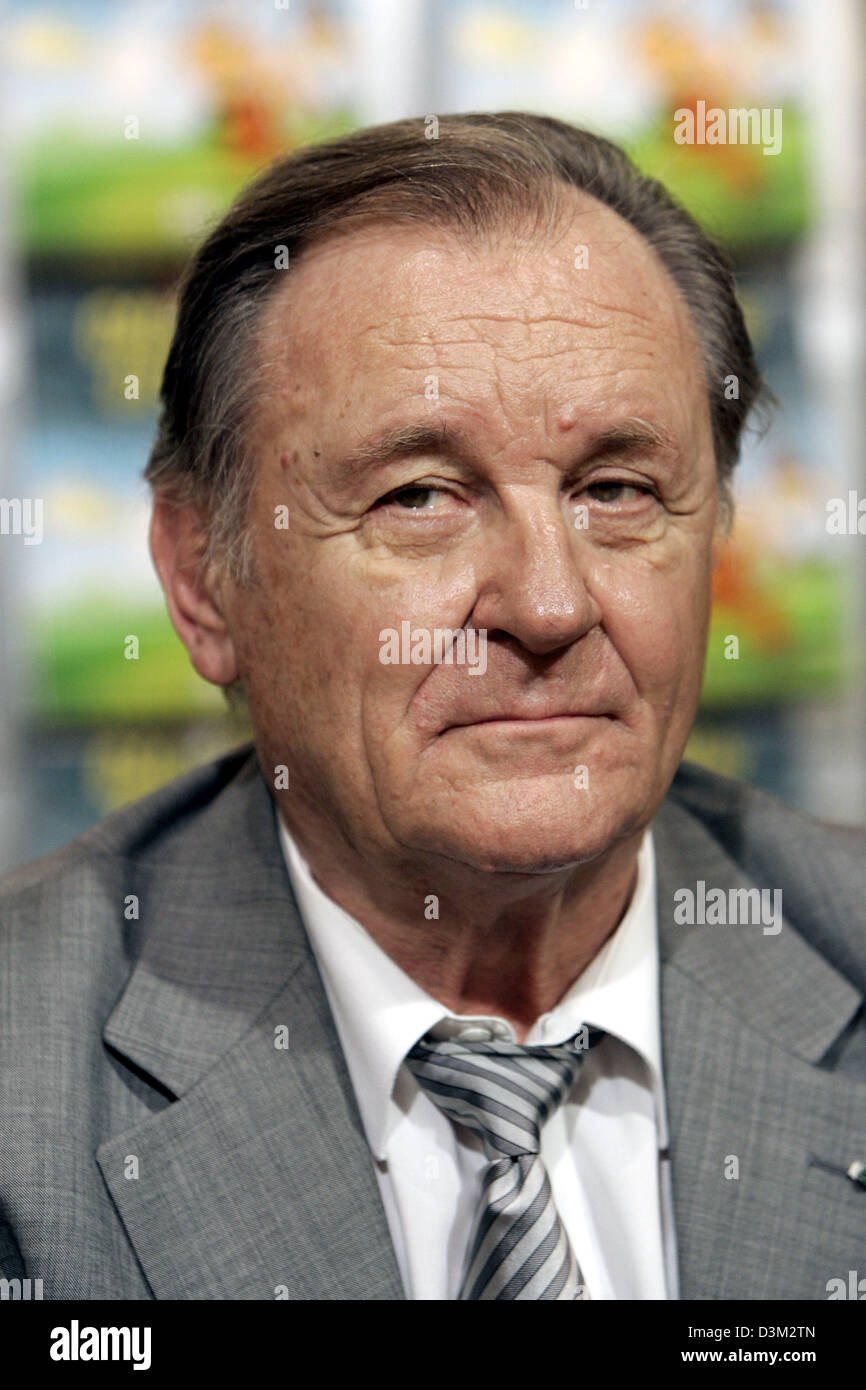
(155, 1143)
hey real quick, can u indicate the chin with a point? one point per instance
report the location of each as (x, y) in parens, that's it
(528, 829)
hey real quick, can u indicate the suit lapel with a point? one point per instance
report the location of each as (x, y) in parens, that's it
(257, 1181)
(761, 1137)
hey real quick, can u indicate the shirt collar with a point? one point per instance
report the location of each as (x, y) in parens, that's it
(380, 1012)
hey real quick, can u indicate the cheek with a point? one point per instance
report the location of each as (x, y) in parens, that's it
(311, 634)
(358, 600)
(656, 617)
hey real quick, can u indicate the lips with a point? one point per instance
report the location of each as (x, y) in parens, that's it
(529, 715)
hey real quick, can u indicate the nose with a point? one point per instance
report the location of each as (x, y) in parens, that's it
(532, 579)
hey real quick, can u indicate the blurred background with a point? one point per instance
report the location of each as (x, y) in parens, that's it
(125, 131)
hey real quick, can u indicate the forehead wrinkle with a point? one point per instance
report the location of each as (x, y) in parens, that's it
(530, 322)
(298, 355)
(302, 332)
(622, 323)
(446, 349)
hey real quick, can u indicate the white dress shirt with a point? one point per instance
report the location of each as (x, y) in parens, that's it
(603, 1149)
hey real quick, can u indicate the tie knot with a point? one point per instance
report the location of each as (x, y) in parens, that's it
(504, 1091)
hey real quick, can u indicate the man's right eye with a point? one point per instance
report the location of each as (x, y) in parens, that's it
(410, 498)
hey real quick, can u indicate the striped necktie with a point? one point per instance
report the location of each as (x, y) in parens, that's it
(505, 1091)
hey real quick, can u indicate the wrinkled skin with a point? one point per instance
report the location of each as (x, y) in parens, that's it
(569, 388)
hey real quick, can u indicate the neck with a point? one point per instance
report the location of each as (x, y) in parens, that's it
(510, 945)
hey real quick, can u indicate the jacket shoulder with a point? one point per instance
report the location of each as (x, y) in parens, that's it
(43, 889)
(820, 867)
(750, 818)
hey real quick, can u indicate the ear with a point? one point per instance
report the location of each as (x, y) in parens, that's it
(192, 589)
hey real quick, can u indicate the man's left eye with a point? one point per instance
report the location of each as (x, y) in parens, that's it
(615, 490)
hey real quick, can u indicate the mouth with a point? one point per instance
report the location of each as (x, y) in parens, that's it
(528, 723)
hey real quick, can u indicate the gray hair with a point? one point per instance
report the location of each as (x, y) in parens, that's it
(481, 171)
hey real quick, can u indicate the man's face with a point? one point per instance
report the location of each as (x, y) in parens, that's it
(565, 502)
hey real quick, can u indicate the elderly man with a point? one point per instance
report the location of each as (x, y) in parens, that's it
(458, 986)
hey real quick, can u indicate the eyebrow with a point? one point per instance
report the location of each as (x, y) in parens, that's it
(629, 437)
(407, 441)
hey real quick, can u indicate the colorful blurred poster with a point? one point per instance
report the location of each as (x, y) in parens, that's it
(135, 124)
